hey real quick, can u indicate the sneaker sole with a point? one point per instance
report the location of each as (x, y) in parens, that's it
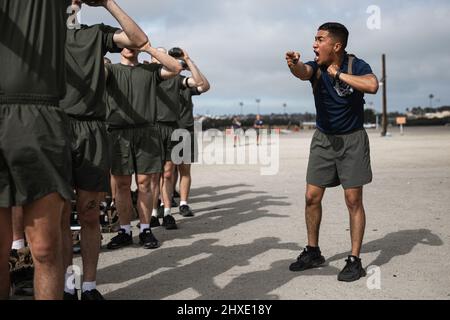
(118, 247)
(361, 275)
(151, 247)
(170, 227)
(315, 264)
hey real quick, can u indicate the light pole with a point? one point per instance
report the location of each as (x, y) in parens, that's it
(431, 96)
(258, 101)
(242, 108)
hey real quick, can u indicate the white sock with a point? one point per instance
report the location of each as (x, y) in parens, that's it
(70, 290)
(167, 212)
(18, 244)
(183, 203)
(144, 226)
(127, 228)
(89, 286)
(162, 204)
(155, 213)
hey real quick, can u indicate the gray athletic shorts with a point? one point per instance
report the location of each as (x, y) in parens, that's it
(35, 157)
(339, 160)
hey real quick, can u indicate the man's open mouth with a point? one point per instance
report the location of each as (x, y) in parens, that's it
(317, 55)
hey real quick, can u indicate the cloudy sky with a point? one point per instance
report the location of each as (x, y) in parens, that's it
(240, 46)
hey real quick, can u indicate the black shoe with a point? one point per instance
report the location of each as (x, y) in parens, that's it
(22, 281)
(176, 194)
(70, 297)
(352, 271)
(121, 240)
(169, 223)
(92, 295)
(174, 203)
(308, 259)
(148, 240)
(185, 211)
(154, 222)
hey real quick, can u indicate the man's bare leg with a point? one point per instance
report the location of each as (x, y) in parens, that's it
(167, 187)
(144, 202)
(113, 188)
(185, 181)
(18, 228)
(43, 230)
(354, 201)
(123, 199)
(88, 208)
(155, 189)
(168, 220)
(313, 213)
(5, 247)
(67, 240)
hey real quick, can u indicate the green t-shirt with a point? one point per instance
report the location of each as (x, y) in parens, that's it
(32, 36)
(187, 107)
(131, 95)
(168, 99)
(85, 49)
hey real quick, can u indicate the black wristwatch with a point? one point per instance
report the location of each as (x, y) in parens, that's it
(338, 74)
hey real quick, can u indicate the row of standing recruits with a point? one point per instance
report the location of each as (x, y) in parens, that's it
(57, 80)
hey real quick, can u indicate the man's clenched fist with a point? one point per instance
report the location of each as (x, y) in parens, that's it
(292, 58)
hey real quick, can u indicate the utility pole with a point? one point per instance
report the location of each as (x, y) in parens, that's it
(258, 102)
(383, 82)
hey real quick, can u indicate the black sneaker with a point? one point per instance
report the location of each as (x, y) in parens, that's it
(70, 297)
(169, 223)
(121, 240)
(154, 222)
(352, 271)
(176, 194)
(174, 203)
(23, 280)
(308, 259)
(92, 295)
(148, 240)
(185, 211)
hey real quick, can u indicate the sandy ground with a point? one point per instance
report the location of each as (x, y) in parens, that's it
(248, 228)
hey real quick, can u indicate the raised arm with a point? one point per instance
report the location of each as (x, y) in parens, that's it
(367, 83)
(131, 36)
(298, 69)
(196, 80)
(171, 67)
(205, 86)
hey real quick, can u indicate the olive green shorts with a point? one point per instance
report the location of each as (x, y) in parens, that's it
(90, 156)
(339, 160)
(136, 151)
(35, 157)
(165, 130)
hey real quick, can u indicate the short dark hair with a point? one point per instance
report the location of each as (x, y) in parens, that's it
(337, 30)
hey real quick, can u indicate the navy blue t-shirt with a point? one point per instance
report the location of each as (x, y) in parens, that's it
(340, 108)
